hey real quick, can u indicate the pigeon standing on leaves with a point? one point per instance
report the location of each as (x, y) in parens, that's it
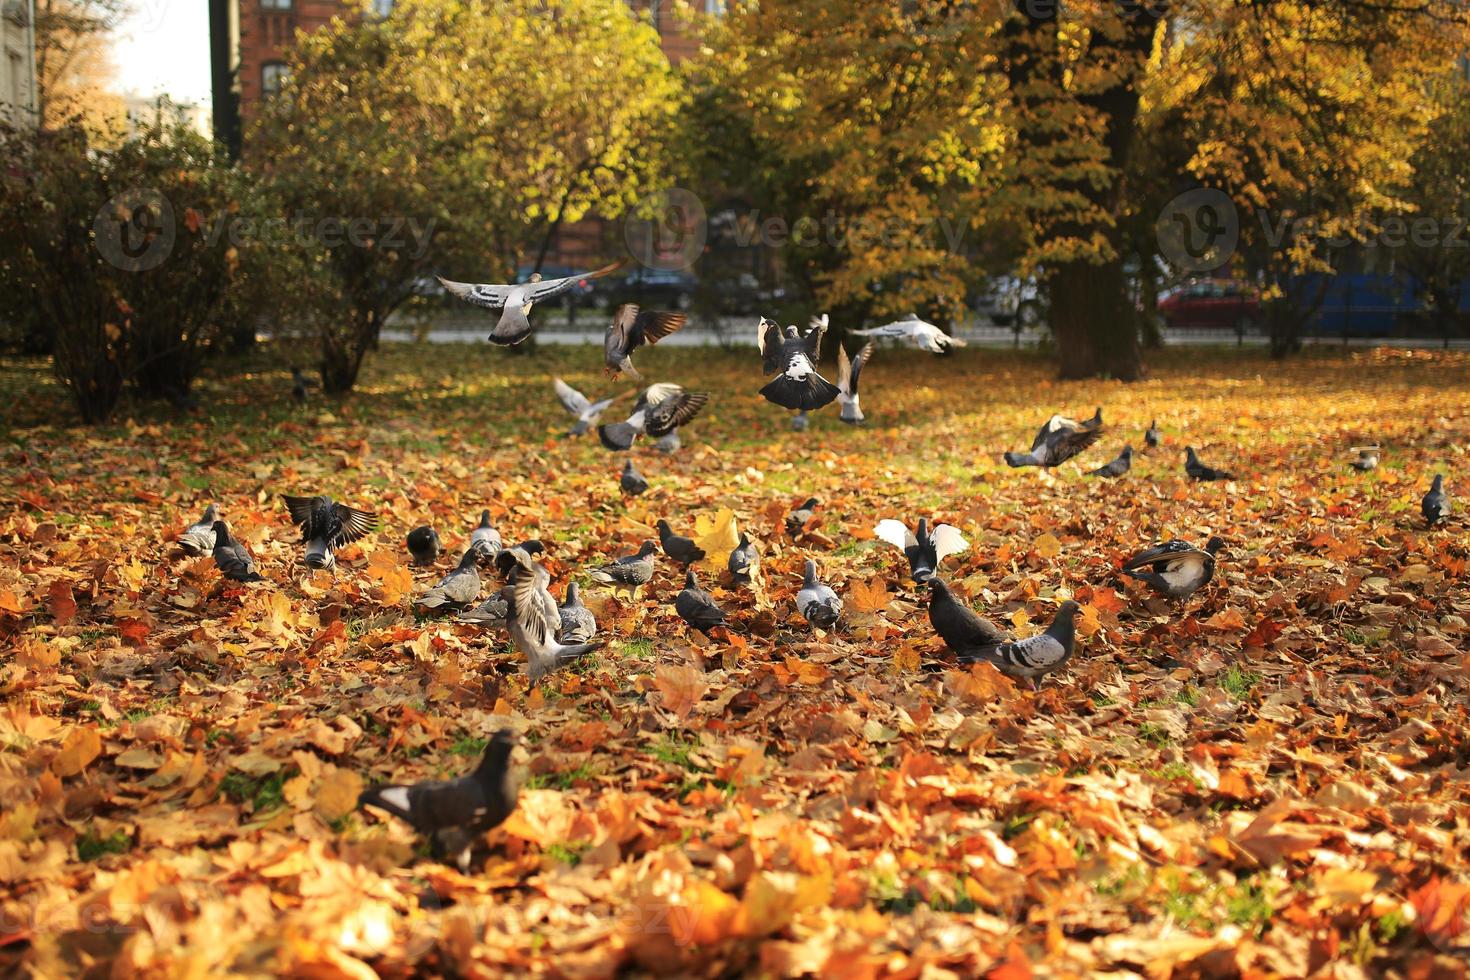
(1152, 437)
(924, 550)
(669, 443)
(800, 422)
(535, 620)
(660, 409)
(970, 636)
(796, 520)
(1118, 466)
(301, 386)
(847, 383)
(423, 545)
(1176, 569)
(793, 358)
(198, 539)
(818, 604)
(632, 481)
(232, 558)
(629, 572)
(580, 407)
(743, 560)
(695, 606)
(455, 813)
(1059, 440)
(578, 625)
(493, 611)
(515, 300)
(484, 537)
(1043, 653)
(459, 588)
(1199, 471)
(326, 526)
(918, 333)
(631, 328)
(1436, 503)
(683, 550)
(1367, 458)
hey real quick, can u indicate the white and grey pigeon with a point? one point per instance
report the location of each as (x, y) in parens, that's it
(696, 607)
(792, 357)
(198, 538)
(631, 481)
(535, 620)
(847, 383)
(1058, 440)
(1436, 503)
(578, 625)
(460, 588)
(484, 536)
(580, 407)
(970, 636)
(743, 560)
(923, 548)
(817, 603)
(630, 329)
(1117, 467)
(1197, 470)
(630, 572)
(515, 300)
(660, 409)
(915, 332)
(1176, 569)
(326, 526)
(455, 813)
(1041, 654)
(1366, 459)
(232, 558)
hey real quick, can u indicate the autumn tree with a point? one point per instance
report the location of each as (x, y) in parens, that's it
(74, 68)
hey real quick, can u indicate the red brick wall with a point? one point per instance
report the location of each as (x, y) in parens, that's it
(267, 35)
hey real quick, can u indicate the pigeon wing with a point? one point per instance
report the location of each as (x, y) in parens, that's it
(547, 288)
(355, 524)
(857, 366)
(671, 413)
(947, 540)
(489, 295)
(896, 534)
(654, 325)
(769, 340)
(571, 399)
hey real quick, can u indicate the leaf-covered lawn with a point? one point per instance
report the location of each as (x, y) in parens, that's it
(1270, 778)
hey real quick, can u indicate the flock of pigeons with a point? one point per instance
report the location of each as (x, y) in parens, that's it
(553, 635)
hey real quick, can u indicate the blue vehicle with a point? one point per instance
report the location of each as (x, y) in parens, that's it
(1365, 304)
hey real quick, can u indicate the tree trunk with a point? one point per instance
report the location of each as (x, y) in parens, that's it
(342, 354)
(1094, 325)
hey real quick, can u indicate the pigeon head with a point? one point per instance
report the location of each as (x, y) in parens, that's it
(573, 595)
(1128, 451)
(938, 587)
(1066, 611)
(1189, 452)
(497, 753)
(810, 573)
(647, 548)
(221, 533)
(1214, 544)
(810, 503)
(211, 514)
(484, 518)
(663, 528)
(472, 556)
(690, 582)
(1438, 485)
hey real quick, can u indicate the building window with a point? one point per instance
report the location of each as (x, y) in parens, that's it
(272, 75)
(276, 4)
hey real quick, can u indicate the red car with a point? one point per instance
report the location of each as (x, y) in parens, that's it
(1221, 303)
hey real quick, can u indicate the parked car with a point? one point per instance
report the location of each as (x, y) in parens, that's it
(668, 289)
(1227, 304)
(1010, 301)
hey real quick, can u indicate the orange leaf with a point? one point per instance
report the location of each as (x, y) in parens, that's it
(682, 687)
(868, 597)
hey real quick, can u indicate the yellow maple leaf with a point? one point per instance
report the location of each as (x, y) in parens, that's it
(1047, 546)
(716, 537)
(868, 597)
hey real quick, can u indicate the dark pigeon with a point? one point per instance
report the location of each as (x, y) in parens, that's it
(695, 606)
(232, 558)
(327, 525)
(800, 422)
(1059, 440)
(660, 409)
(1176, 569)
(1199, 471)
(632, 481)
(630, 329)
(1152, 436)
(683, 550)
(301, 386)
(1436, 503)
(924, 549)
(796, 520)
(971, 637)
(629, 572)
(1118, 466)
(817, 603)
(793, 358)
(423, 545)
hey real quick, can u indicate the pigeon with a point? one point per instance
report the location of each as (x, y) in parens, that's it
(585, 411)
(507, 563)
(491, 612)
(743, 560)
(628, 572)
(455, 813)
(818, 604)
(970, 636)
(683, 550)
(578, 625)
(535, 620)
(924, 550)
(919, 333)
(1059, 440)
(515, 301)
(327, 525)
(1367, 458)
(1199, 471)
(198, 539)
(1041, 654)
(847, 383)
(800, 422)
(660, 409)
(796, 520)
(423, 544)
(1117, 467)
(669, 443)
(486, 538)
(301, 386)
(695, 607)
(632, 481)
(793, 357)
(1176, 568)
(1152, 436)
(232, 558)
(1435, 505)
(630, 329)
(459, 588)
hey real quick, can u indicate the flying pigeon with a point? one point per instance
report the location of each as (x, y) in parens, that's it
(971, 637)
(1176, 568)
(847, 383)
(683, 550)
(818, 604)
(629, 572)
(630, 329)
(515, 301)
(918, 333)
(491, 612)
(793, 357)
(578, 625)
(585, 411)
(796, 520)
(800, 422)
(327, 525)
(1367, 458)
(1152, 436)
(1117, 467)
(459, 588)
(423, 544)
(695, 606)
(301, 386)
(660, 409)
(535, 620)
(1435, 505)
(485, 538)
(743, 560)
(1041, 654)
(924, 550)
(1199, 471)
(232, 558)
(454, 814)
(198, 539)
(1059, 440)
(632, 481)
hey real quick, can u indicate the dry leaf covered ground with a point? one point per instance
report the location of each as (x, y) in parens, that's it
(1273, 778)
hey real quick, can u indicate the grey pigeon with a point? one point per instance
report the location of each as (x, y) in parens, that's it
(1118, 466)
(630, 329)
(232, 558)
(816, 602)
(629, 572)
(578, 625)
(849, 410)
(1176, 569)
(632, 481)
(695, 606)
(660, 409)
(485, 537)
(668, 443)
(1366, 460)
(493, 611)
(1041, 654)
(459, 588)
(423, 545)
(970, 636)
(327, 525)
(800, 422)
(1058, 440)
(796, 520)
(683, 550)
(580, 407)
(515, 300)
(919, 333)
(1199, 471)
(1152, 436)
(743, 560)
(535, 620)
(507, 561)
(1436, 503)
(792, 357)
(198, 538)
(924, 549)
(456, 813)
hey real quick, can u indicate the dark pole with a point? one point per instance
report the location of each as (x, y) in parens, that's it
(222, 58)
